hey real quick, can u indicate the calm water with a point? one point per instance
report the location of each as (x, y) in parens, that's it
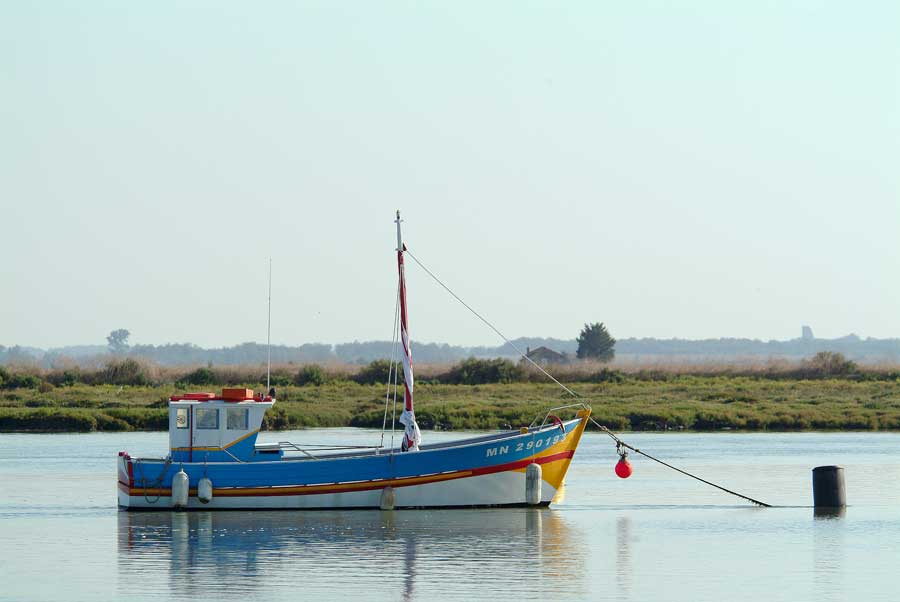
(655, 536)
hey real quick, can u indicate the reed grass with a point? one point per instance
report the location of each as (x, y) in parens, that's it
(131, 371)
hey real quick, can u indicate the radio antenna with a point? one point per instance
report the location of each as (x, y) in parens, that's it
(269, 334)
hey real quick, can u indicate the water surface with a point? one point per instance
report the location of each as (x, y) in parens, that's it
(655, 536)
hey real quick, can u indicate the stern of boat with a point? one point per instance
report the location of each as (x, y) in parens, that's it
(125, 478)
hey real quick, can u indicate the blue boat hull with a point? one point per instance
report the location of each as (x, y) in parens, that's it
(482, 471)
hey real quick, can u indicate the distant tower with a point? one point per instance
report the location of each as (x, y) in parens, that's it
(806, 333)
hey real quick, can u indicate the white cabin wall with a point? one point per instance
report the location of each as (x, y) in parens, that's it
(220, 437)
(178, 437)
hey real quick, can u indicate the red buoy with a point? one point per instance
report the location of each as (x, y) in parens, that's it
(623, 468)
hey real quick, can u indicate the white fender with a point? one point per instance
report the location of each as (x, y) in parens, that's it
(205, 490)
(180, 489)
(533, 484)
(388, 499)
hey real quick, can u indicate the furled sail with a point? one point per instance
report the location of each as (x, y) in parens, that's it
(412, 437)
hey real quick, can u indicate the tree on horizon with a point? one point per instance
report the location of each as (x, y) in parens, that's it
(118, 340)
(595, 342)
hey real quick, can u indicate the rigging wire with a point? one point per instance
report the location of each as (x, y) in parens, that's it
(269, 335)
(387, 394)
(492, 327)
(570, 391)
(394, 411)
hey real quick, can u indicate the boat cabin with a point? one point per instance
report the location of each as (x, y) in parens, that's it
(205, 427)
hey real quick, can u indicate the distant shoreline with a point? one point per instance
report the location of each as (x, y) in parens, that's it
(634, 351)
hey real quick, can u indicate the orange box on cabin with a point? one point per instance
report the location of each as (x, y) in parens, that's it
(237, 394)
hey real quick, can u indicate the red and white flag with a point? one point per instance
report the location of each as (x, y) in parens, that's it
(411, 435)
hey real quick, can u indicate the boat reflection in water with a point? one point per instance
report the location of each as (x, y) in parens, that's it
(415, 554)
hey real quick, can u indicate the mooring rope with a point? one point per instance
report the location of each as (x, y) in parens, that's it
(157, 483)
(604, 429)
(621, 443)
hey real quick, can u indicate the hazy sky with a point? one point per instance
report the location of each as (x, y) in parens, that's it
(674, 169)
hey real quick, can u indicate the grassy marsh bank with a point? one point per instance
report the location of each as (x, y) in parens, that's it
(697, 402)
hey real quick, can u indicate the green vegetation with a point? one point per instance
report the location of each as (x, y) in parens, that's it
(125, 372)
(595, 342)
(200, 376)
(824, 392)
(311, 374)
(377, 372)
(481, 372)
(628, 402)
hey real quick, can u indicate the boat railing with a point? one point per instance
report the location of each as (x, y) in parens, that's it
(551, 412)
(307, 449)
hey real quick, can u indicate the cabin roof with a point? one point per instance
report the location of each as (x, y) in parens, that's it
(221, 402)
(227, 395)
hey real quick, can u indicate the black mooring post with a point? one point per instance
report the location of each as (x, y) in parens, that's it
(828, 487)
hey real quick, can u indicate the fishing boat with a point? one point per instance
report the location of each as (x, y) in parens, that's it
(215, 462)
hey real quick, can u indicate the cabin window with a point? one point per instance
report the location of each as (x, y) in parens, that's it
(238, 418)
(181, 418)
(207, 418)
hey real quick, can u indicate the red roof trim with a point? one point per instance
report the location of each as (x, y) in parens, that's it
(204, 397)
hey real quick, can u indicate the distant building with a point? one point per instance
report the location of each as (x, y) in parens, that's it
(543, 356)
(806, 333)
